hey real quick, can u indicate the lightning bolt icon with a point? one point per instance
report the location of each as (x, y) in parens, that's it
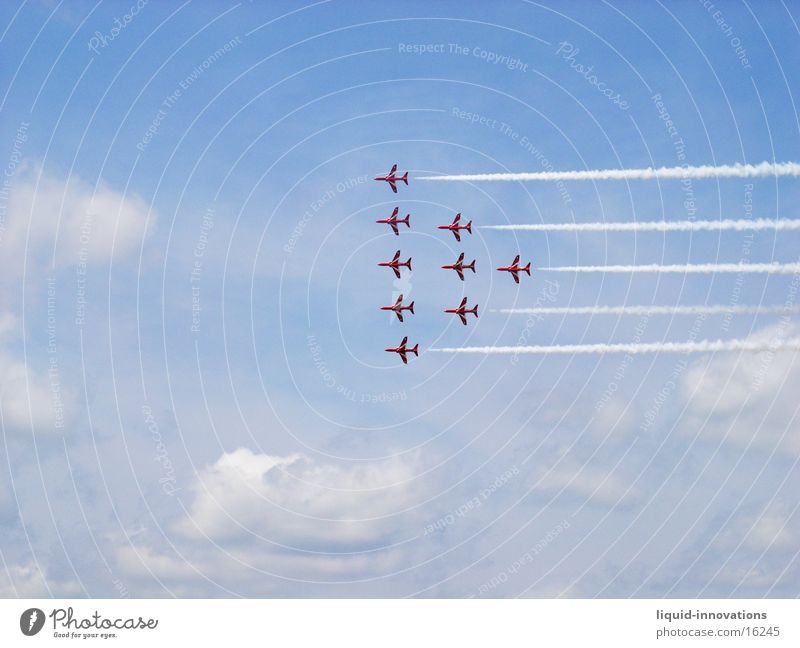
(32, 620)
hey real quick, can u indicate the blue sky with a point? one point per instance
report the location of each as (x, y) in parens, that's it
(219, 156)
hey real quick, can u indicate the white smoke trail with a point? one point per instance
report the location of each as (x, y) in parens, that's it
(764, 169)
(720, 309)
(703, 346)
(766, 268)
(656, 226)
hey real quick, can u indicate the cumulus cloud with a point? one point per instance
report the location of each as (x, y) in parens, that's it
(22, 581)
(71, 222)
(28, 399)
(28, 581)
(264, 524)
(298, 501)
(585, 482)
(8, 324)
(747, 398)
(249, 571)
(79, 221)
(142, 559)
(753, 552)
(774, 527)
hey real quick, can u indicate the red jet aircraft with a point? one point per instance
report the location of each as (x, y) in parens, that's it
(395, 264)
(398, 308)
(394, 221)
(459, 266)
(391, 178)
(462, 311)
(402, 350)
(515, 269)
(454, 227)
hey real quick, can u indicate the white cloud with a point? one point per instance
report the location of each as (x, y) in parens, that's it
(92, 221)
(26, 399)
(143, 560)
(773, 528)
(297, 500)
(253, 515)
(83, 223)
(584, 481)
(749, 397)
(22, 581)
(754, 553)
(28, 581)
(8, 324)
(257, 571)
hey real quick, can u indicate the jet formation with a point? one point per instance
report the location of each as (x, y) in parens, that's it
(460, 267)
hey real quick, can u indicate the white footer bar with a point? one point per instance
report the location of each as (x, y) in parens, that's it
(401, 623)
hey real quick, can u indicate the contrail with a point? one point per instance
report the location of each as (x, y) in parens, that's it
(766, 268)
(741, 225)
(764, 169)
(720, 309)
(703, 346)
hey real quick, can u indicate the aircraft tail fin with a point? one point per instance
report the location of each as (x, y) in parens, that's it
(406, 220)
(474, 311)
(405, 178)
(527, 268)
(471, 266)
(408, 263)
(411, 307)
(469, 227)
(415, 350)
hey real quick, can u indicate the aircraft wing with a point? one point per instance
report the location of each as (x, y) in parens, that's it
(463, 318)
(394, 168)
(396, 271)
(515, 261)
(391, 184)
(457, 235)
(394, 229)
(396, 256)
(463, 303)
(394, 213)
(515, 275)
(399, 315)
(460, 274)
(402, 354)
(460, 258)
(456, 219)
